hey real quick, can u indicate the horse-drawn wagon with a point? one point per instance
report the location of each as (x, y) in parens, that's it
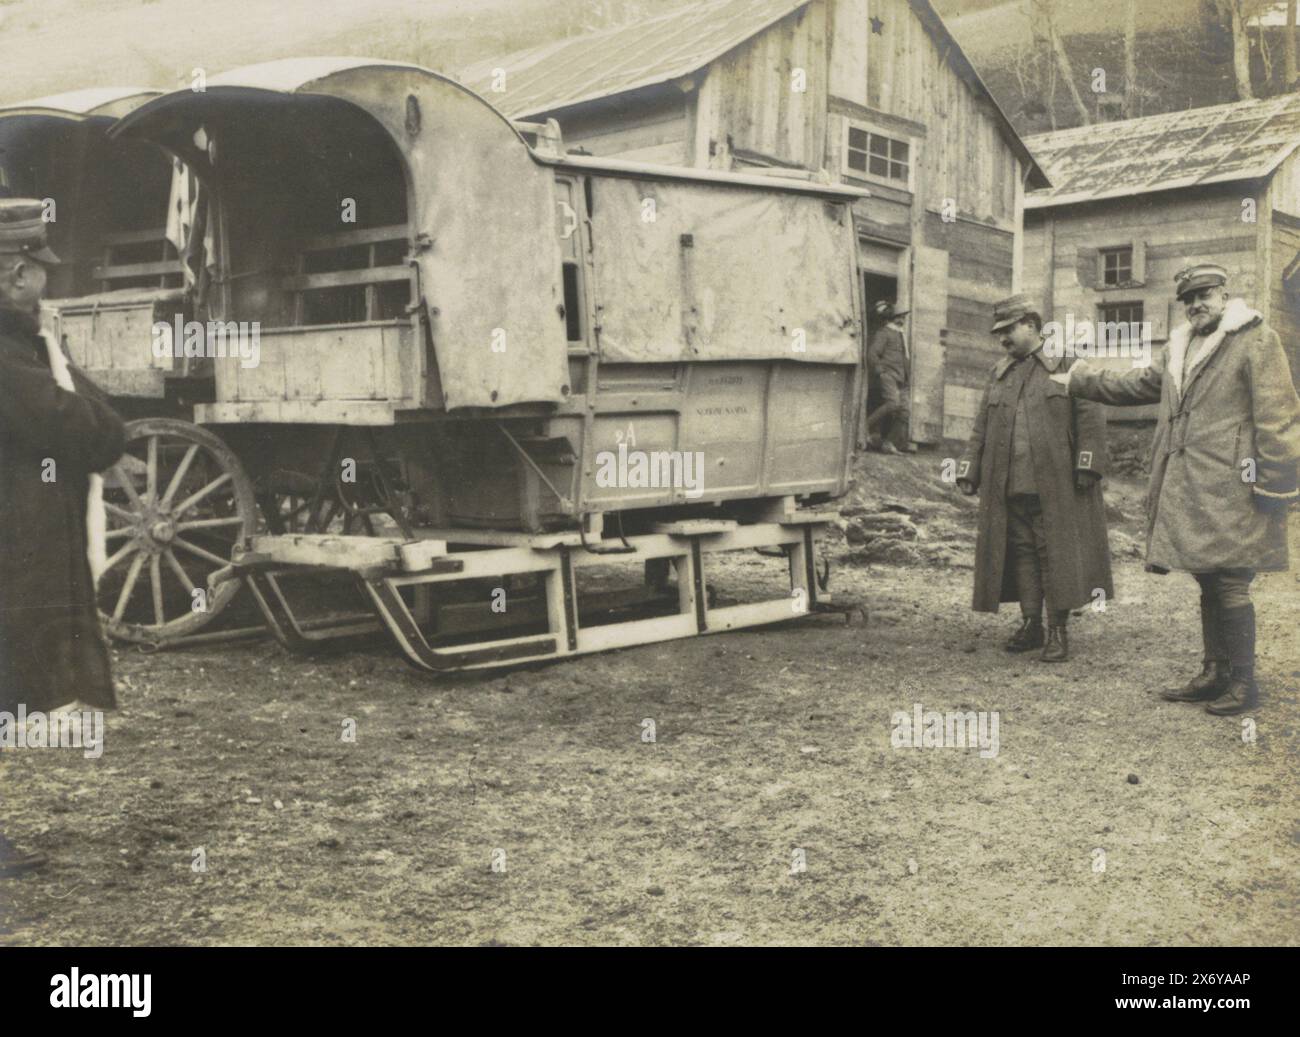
(485, 369)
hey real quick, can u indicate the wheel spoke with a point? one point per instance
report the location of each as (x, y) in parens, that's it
(213, 523)
(118, 555)
(200, 552)
(128, 586)
(151, 476)
(174, 564)
(155, 579)
(194, 498)
(114, 534)
(124, 480)
(118, 512)
(181, 470)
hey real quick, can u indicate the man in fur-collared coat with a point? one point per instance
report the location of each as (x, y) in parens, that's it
(55, 433)
(1036, 457)
(1223, 469)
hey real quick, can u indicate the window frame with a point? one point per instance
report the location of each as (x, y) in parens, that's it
(1140, 304)
(1137, 263)
(871, 130)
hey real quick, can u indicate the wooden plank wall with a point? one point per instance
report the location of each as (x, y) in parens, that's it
(1286, 186)
(1177, 227)
(748, 101)
(899, 78)
(979, 274)
(901, 71)
(649, 126)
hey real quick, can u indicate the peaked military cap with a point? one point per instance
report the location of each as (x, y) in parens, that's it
(1198, 276)
(22, 229)
(1013, 310)
(886, 310)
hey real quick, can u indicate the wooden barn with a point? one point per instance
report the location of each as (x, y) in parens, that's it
(1134, 202)
(876, 93)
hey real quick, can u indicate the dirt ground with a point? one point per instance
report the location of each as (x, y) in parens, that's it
(528, 807)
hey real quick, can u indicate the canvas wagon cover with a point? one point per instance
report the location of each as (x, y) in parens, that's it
(710, 272)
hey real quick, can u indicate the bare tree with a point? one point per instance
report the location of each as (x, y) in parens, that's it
(1238, 15)
(1231, 9)
(1289, 46)
(1045, 11)
(1130, 60)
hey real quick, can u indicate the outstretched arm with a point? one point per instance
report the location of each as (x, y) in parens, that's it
(1121, 389)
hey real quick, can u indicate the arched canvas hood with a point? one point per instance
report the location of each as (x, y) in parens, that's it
(107, 103)
(474, 190)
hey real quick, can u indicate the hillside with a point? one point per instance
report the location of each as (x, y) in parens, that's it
(1184, 57)
(48, 46)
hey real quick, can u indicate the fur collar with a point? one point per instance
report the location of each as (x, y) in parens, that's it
(1236, 316)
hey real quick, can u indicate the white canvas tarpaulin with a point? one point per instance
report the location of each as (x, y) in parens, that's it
(709, 272)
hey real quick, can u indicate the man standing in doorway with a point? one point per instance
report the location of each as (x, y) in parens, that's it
(890, 362)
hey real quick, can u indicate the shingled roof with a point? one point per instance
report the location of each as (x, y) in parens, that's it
(1240, 141)
(670, 46)
(613, 61)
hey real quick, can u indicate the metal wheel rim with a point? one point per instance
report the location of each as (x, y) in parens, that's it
(173, 516)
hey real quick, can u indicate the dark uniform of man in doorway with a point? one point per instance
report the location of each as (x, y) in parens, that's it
(56, 430)
(1036, 458)
(889, 363)
(1223, 469)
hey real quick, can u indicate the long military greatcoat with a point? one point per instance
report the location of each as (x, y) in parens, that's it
(52, 650)
(1227, 435)
(1066, 436)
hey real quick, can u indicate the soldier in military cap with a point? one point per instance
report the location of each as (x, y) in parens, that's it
(56, 431)
(1036, 459)
(889, 364)
(1223, 469)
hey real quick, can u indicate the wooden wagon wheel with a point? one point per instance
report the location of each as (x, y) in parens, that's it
(178, 502)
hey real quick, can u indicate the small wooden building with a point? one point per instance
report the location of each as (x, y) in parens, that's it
(1133, 202)
(875, 92)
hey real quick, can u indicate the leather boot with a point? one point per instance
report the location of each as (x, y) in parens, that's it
(1240, 696)
(1057, 649)
(1241, 693)
(1027, 637)
(1209, 684)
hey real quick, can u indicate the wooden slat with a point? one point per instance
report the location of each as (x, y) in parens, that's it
(348, 238)
(134, 237)
(346, 278)
(122, 270)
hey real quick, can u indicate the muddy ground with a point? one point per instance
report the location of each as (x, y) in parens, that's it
(527, 807)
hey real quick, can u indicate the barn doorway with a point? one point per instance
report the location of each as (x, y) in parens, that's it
(875, 288)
